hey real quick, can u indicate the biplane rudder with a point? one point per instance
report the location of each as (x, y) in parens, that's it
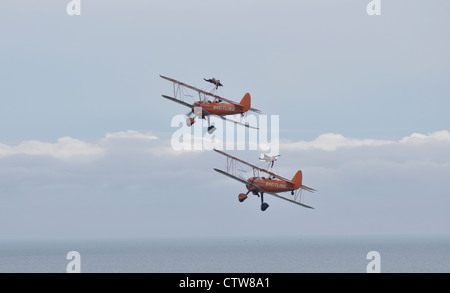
(245, 102)
(297, 180)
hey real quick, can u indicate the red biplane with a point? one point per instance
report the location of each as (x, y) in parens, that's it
(204, 108)
(271, 185)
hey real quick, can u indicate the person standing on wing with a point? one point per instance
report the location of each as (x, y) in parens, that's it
(214, 81)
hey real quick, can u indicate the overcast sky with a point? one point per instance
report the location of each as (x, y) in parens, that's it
(85, 136)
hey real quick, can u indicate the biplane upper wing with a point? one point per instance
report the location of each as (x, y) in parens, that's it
(254, 166)
(255, 110)
(206, 93)
(191, 87)
(261, 190)
(310, 189)
(178, 101)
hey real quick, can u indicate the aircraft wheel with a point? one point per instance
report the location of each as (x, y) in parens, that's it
(242, 197)
(264, 206)
(190, 121)
(211, 129)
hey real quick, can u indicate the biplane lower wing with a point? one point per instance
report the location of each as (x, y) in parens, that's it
(178, 101)
(236, 122)
(206, 113)
(290, 200)
(260, 189)
(238, 179)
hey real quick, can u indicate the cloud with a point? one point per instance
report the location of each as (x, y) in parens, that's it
(65, 148)
(435, 137)
(333, 141)
(130, 134)
(132, 184)
(68, 148)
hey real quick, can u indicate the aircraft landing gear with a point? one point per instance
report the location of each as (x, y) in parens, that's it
(190, 121)
(211, 129)
(264, 205)
(242, 197)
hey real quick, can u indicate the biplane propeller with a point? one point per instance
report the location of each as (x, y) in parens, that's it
(271, 185)
(204, 108)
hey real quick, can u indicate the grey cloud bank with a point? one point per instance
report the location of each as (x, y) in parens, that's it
(132, 184)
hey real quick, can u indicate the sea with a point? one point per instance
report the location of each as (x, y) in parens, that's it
(293, 254)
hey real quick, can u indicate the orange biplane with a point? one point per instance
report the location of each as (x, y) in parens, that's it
(271, 185)
(204, 108)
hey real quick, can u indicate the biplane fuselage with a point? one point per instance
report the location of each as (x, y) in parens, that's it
(216, 108)
(272, 185)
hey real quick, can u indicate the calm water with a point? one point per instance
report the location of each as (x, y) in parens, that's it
(231, 255)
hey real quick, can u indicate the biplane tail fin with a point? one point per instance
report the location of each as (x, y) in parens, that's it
(297, 180)
(245, 102)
